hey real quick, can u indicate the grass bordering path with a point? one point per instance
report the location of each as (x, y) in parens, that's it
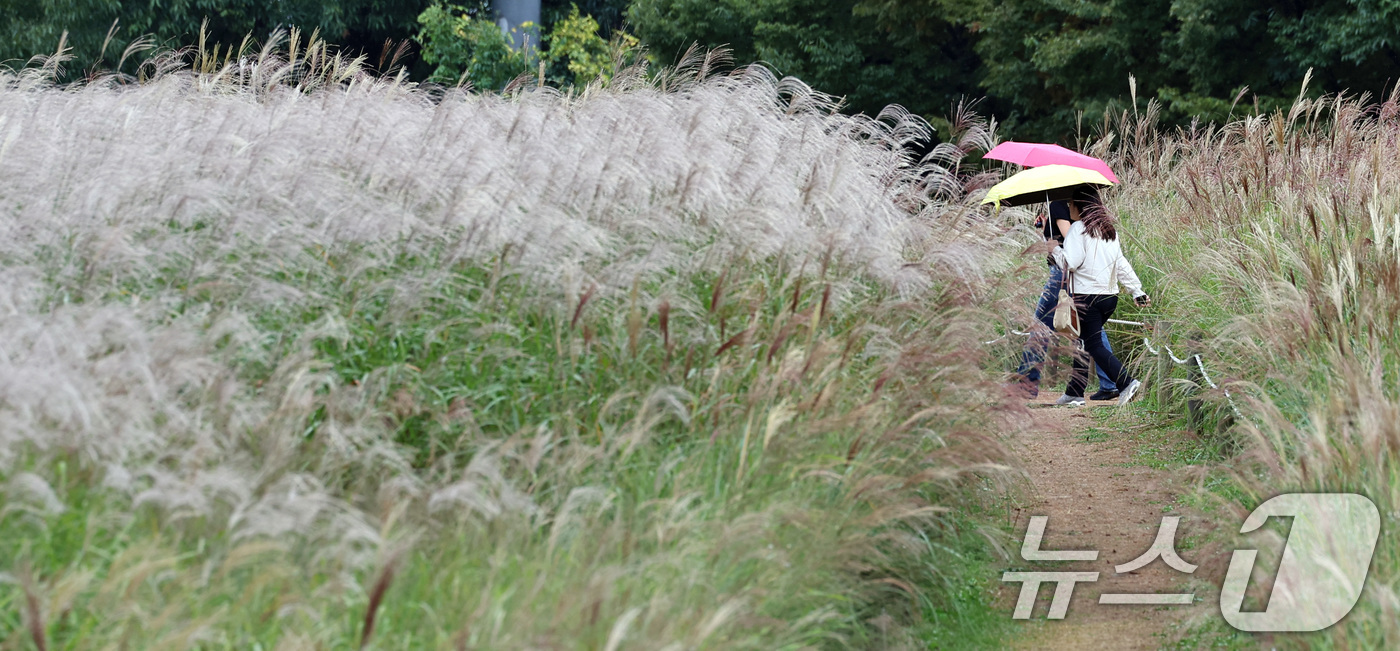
(1270, 243)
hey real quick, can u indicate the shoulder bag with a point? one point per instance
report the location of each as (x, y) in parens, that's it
(1066, 317)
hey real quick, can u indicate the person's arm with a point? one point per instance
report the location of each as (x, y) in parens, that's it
(1060, 219)
(1128, 277)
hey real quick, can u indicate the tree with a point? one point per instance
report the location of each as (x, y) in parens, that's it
(576, 53)
(466, 45)
(841, 47)
(1044, 61)
(28, 28)
(1351, 44)
(611, 15)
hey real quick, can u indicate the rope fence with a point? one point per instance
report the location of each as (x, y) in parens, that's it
(1199, 365)
(1013, 332)
(1194, 358)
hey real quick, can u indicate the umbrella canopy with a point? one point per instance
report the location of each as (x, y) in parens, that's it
(1034, 154)
(1040, 184)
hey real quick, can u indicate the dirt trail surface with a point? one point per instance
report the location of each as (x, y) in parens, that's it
(1085, 480)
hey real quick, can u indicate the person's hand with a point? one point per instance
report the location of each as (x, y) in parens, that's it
(1039, 221)
(1143, 301)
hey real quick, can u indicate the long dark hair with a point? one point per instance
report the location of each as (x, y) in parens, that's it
(1098, 222)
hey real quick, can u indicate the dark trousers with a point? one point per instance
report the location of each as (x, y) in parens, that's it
(1034, 354)
(1094, 310)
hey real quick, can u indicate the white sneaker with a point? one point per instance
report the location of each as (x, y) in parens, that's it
(1071, 401)
(1129, 392)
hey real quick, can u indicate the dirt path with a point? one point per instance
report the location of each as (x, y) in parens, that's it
(1085, 480)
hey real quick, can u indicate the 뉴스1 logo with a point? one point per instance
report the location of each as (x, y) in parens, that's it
(1323, 567)
(1320, 575)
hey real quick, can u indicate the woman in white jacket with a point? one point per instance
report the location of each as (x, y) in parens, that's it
(1095, 265)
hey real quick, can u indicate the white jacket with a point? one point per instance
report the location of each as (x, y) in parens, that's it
(1096, 266)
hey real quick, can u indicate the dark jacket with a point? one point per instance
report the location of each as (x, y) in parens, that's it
(1058, 210)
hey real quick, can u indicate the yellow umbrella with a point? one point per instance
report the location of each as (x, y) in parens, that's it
(1044, 183)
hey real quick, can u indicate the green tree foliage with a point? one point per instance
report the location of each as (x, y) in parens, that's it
(1046, 59)
(1352, 43)
(466, 45)
(577, 53)
(29, 27)
(839, 46)
(1042, 62)
(609, 14)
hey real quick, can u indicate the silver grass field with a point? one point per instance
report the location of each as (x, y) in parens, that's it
(293, 356)
(296, 357)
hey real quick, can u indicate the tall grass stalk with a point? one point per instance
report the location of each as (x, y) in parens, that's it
(1274, 242)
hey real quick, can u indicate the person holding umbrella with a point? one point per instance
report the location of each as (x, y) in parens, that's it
(1057, 173)
(1095, 266)
(1054, 228)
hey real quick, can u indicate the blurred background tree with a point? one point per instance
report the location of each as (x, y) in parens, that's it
(29, 27)
(1038, 63)
(837, 46)
(611, 15)
(466, 46)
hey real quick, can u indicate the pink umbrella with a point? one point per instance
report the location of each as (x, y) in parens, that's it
(1035, 154)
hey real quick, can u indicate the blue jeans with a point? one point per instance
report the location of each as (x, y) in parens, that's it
(1034, 354)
